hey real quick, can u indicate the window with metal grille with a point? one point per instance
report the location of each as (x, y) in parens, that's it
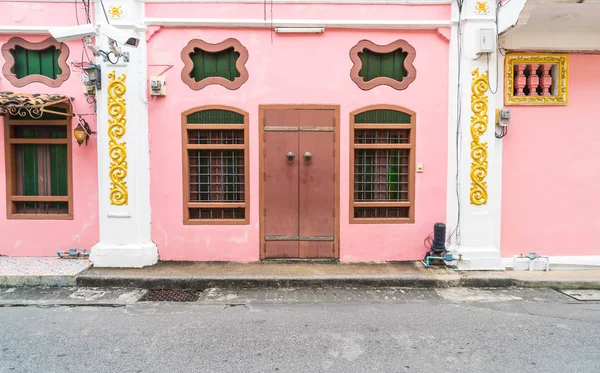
(44, 62)
(222, 64)
(215, 166)
(38, 166)
(382, 165)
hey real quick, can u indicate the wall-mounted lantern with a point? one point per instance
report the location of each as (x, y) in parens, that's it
(92, 79)
(82, 132)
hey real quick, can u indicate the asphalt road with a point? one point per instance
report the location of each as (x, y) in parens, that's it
(453, 330)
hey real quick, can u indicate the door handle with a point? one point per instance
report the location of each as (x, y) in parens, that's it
(307, 156)
(290, 156)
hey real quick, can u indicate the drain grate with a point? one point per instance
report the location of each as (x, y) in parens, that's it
(170, 295)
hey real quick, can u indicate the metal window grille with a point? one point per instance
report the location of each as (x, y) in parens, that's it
(381, 174)
(216, 175)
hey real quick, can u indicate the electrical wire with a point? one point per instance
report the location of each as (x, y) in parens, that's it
(104, 10)
(456, 230)
(503, 132)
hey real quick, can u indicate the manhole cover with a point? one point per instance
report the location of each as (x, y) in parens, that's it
(170, 295)
(583, 294)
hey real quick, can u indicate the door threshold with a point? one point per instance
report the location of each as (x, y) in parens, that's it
(299, 260)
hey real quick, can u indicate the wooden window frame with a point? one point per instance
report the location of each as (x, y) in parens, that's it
(411, 165)
(188, 64)
(408, 64)
(561, 61)
(186, 170)
(9, 65)
(9, 166)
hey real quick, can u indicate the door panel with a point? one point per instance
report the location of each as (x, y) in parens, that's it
(299, 195)
(281, 193)
(315, 249)
(317, 189)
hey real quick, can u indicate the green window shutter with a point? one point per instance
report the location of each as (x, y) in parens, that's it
(382, 65)
(382, 116)
(58, 166)
(214, 64)
(30, 62)
(215, 116)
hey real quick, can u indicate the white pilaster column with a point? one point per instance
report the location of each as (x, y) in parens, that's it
(123, 149)
(475, 158)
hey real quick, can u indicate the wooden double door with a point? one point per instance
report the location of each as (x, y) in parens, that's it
(299, 189)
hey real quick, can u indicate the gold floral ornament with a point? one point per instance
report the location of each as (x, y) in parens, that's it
(115, 11)
(117, 126)
(479, 123)
(482, 8)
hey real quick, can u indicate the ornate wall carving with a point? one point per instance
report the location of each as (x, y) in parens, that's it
(479, 123)
(117, 126)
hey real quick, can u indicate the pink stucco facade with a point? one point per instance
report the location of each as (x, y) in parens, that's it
(549, 157)
(297, 70)
(46, 237)
(550, 172)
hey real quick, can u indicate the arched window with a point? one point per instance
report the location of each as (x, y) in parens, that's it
(382, 157)
(215, 166)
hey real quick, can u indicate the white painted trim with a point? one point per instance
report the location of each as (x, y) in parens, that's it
(564, 263)
(260, 23)
(30, 30)
(363, 2)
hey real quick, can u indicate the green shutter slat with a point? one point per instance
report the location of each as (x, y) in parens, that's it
(387, 65)
(374, 65)
(232, 64)
(30, 170)
(382, 116)
(215, 116)
(34, 62)
(57, 68)
(20, 56)
(399, 58)
(210, 65)
(58, 167)
(222, 64)
(47, 63)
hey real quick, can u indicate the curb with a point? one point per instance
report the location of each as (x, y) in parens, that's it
(199, 282)
(50, 281)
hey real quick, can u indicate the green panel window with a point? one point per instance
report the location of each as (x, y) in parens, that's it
(214, 64)
(382, 65)
(39, 182)
(36, 62)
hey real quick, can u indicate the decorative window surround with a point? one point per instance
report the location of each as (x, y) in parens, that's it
(382, 138)
(39, 172)
(8, 68)
(216, 182)
(200, 44)
(548, 86)
(383, 49)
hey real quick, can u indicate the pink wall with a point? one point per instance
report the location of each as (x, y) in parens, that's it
(45, 237)
(551, 171)
(284, 71)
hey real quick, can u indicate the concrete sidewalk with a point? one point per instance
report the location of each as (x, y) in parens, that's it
(195, 275)
(275, 274)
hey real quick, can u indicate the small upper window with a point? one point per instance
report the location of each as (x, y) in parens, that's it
(376, 65)
(222, 64)
(536, 79)
(43, 62)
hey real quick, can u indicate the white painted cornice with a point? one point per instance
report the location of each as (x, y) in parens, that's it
(260, 23)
